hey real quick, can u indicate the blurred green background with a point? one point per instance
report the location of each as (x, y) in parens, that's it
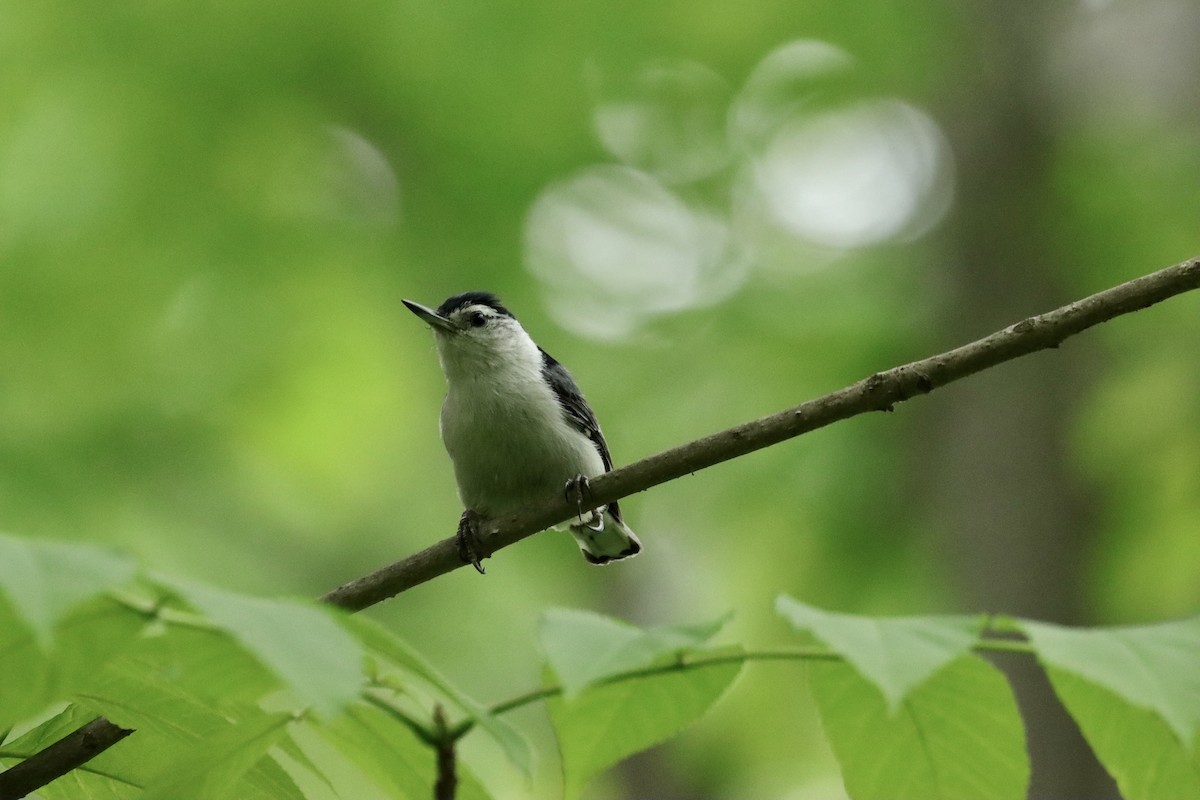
(210, 212)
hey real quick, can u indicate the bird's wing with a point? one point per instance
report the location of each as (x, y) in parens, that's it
(575, 408)
(576, 411)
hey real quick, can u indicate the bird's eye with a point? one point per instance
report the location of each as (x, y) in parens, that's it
(478, 320)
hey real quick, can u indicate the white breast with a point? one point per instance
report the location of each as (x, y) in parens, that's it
(507, 437)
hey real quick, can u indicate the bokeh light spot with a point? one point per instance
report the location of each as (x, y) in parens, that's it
(857, 176)
(781, 85)
(668, 120)
(612, 246)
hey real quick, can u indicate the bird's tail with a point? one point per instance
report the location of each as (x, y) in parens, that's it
(609, 540)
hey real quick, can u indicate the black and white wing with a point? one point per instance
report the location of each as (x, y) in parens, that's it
(577, 412)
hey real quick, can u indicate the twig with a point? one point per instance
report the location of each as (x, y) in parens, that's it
(447, 776)
(879, 392)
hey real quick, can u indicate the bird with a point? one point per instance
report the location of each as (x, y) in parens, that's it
(517, 427)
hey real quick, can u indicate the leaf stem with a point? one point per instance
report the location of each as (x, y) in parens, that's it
(423, 733)
(1005, 646)
(447, 774)
(687, 661)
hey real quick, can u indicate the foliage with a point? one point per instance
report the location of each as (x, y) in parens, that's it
(236, 696)
(210, 212)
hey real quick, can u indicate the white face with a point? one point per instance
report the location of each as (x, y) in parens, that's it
(478, 325)
(477, 341)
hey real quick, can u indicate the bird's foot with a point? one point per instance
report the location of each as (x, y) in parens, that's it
(470, 546)
(579, 492)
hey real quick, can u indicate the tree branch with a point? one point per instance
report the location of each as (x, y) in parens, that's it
(879, 392)
(72, 751)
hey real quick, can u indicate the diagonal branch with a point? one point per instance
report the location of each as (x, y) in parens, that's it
(879, 392)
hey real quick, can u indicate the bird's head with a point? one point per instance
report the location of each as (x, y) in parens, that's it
(476, 333)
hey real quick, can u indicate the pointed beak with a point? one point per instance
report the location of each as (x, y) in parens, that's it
(431, 317)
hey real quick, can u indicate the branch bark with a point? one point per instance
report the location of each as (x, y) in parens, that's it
(72, 751)
(878, 392)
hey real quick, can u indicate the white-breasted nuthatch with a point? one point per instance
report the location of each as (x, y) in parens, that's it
(516, 426)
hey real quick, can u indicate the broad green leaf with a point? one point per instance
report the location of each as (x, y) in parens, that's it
(896, 655)
(89, 783)
(395, 651)
(956, 735)
(25, 669)
(1136, 746)
(607, 722)
(302, 643)
(289, 752)
(96, 780)
(388, 753)
(267, 780)
(89, 635)
(172, 723)
(45, 733)
(385, 750)
(121, 771)
(155, 693)
(83, 640)
(44, 579)
(1155, 667)
(583, 647)
(215, 769)
(204, 664)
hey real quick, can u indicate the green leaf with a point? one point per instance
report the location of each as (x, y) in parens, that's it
(896, 655)
(389, 754)
(1136, 746)
(1153, 667)
(583, 647)
(44, 734)
(385, 750)
(301, 642)
(122, 771)
(215, 770)
(44, 579)
(956, 735)
(203, 664)
(608, 722)
(26, 742)
(96, 780)
(170, 725)
(159, 688)
(25, 667)
(398, 653)
(267, 780)
(288, 751)
(89, 634)
(152, 692)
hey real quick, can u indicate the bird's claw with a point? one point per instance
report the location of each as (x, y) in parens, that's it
(579, 492)
(470, 548)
